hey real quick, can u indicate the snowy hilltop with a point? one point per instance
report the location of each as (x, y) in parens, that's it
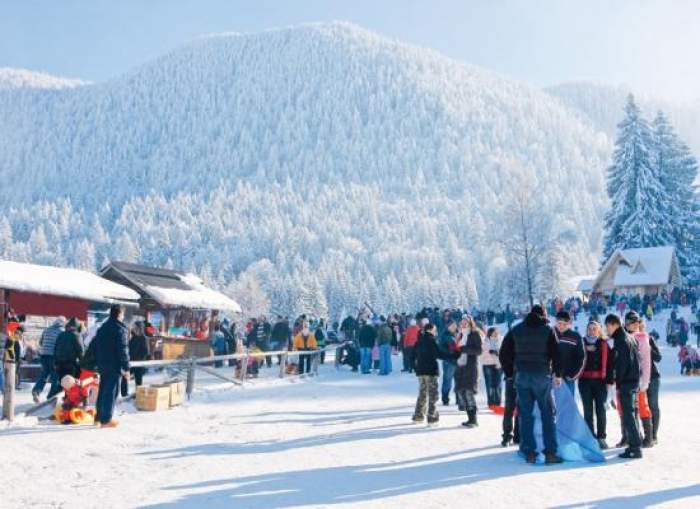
(357, 165)
(11, 78)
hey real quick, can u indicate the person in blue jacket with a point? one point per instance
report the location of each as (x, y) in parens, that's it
(112, 360)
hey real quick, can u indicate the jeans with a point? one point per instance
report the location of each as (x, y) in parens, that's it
(107, 396)
(653, 397)
(48, 371)
(448, 373)
(536, 388)
(594, 394)
(492, 379)
(366, 360)
(628, 396)
(427, 399)
(305, 359)
(408, 358)
(384, 359)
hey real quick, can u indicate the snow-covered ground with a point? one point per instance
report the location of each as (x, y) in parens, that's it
(341, 440)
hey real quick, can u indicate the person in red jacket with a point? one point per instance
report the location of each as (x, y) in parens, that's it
(409, 343)
(593, 382)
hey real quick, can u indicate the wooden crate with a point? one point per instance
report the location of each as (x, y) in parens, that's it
(153, 397)
(177, 393)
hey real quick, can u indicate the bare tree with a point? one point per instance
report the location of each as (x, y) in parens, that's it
(525, 236)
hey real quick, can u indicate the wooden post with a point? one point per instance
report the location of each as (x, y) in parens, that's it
(316, 362)
(283, 364)
(8, 400)
(190, 379)
(244, 368)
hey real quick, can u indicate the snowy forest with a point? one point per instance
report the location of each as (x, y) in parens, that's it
(312, 169)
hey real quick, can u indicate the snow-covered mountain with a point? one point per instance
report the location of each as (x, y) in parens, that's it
(11, 78)
(357, 164)
(602, 105)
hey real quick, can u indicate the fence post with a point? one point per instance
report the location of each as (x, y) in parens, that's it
(283, 364)
(316, 362)
(244, 368)
(190, 379)
(8, 400)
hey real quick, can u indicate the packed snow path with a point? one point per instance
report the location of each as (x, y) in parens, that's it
(342, 440)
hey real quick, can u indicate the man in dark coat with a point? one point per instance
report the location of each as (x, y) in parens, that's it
(69, 350)
(572, 353)
(626, 375)
(367, 338)
(112, 359)
(530, 352)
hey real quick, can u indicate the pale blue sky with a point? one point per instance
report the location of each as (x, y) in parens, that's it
(650, 45)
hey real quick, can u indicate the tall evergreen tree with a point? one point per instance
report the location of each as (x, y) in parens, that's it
(677, 169)
(639, 211)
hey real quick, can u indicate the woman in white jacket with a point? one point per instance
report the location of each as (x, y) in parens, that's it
(493, 375)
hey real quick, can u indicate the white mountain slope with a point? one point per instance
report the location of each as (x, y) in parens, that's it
(392, 157)
(12, 78)
(602, 106)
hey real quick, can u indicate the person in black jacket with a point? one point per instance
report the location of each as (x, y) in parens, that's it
(467, 372)
(426, 355)
(367, 337)
(112, 360)
(654, 386)
(69, 351)
(138, 351)
(572, 354)
(626, 375)
(530, 353)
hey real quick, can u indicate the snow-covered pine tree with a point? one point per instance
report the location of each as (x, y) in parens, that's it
(677, 169)
(638, 215)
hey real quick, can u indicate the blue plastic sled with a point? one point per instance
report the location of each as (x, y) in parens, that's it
(576, 442)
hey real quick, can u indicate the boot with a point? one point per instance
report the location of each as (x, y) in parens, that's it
(648, 434)
(631, 454)
(507, 441)
(623, 441)
(531, 458)
(472, 422)
(602, 444)
(552, 459)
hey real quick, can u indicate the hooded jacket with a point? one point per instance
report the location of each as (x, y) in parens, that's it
(626, 360)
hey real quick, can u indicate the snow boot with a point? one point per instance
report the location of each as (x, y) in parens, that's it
(648, 434)
(472, 422)
(631, 454)
(552, 459)
(506, 442)
(531, 458)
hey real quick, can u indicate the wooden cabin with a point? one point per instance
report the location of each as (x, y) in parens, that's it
(643, 271)
(178, 305)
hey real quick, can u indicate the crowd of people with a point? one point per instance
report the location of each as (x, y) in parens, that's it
(448, 350)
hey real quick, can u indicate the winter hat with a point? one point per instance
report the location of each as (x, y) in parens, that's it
(60, 321)
(538, 310)
(563, 316)
(632, 317)
(67, 382)
(424, 322)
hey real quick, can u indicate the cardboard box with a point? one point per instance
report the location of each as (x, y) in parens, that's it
(153, 398)
(177, 393)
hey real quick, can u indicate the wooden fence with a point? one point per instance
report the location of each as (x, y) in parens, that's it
(187, 368)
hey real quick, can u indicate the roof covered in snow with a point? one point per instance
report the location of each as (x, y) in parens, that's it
(172, 289)
(79, 284)
(649, 266)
